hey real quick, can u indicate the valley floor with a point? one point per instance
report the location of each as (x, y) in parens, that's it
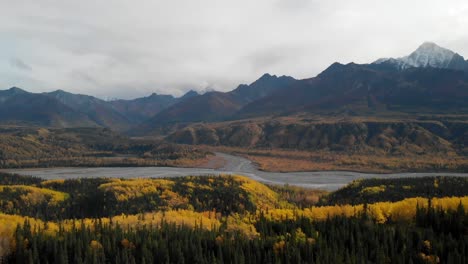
(282, 160)
(225, 164)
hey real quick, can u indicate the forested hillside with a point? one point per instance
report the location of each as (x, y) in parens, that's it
(309, 143)
(378, 136)
(231, 219)
(22, 147)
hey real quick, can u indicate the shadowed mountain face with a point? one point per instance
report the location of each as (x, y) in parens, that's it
(210, 106)
(364, 89)
(22, 108)
(100, 111)
(215, 106)
(141, 109)
(266, 85)
(63, 109)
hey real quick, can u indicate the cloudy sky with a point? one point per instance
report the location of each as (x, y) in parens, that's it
(128, 49)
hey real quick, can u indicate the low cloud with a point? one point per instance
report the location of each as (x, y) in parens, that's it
(125, 49)
(19, 64)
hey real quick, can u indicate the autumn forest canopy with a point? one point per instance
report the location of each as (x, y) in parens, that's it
(231, 219)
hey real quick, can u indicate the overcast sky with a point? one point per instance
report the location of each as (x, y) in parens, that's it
(128, 49)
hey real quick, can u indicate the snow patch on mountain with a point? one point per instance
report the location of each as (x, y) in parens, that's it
(427, 55)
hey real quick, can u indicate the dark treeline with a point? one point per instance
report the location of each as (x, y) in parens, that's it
(436, 236)
(380, 190)
(16, 179)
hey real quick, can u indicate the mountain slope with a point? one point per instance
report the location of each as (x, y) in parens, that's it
(215, 106)
(364, 89)
(139, 109)
(23, 108)
(64, 109)
(262, 87)
(100, 111)
(209, 106)
(188, 95)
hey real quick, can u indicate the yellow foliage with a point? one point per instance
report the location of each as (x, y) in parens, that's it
(8, 224)
(436, 183)
(173, 199)
(376, 213)
(127, 244)
(95, 245)
(322, 213)
(279, 247)
(52, 182)
(381, 212)
(237, 224)
(300, 236)
(373, 190)
(35, 195)
(262, 196)
(405, 210)
(134, 188)
(206, 220)
(449, 203)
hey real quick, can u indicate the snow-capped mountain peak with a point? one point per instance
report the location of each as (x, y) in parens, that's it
(428, 54)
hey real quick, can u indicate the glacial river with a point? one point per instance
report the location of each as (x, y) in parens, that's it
(327, 180)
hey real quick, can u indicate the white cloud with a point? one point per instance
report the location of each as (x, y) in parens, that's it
(128, 49)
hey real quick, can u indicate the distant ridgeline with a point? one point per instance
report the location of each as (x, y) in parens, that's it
(432, 80)
(231, 219)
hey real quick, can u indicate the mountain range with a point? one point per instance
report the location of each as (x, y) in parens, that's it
(431, 80)
(63, 109)
(216, 106)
